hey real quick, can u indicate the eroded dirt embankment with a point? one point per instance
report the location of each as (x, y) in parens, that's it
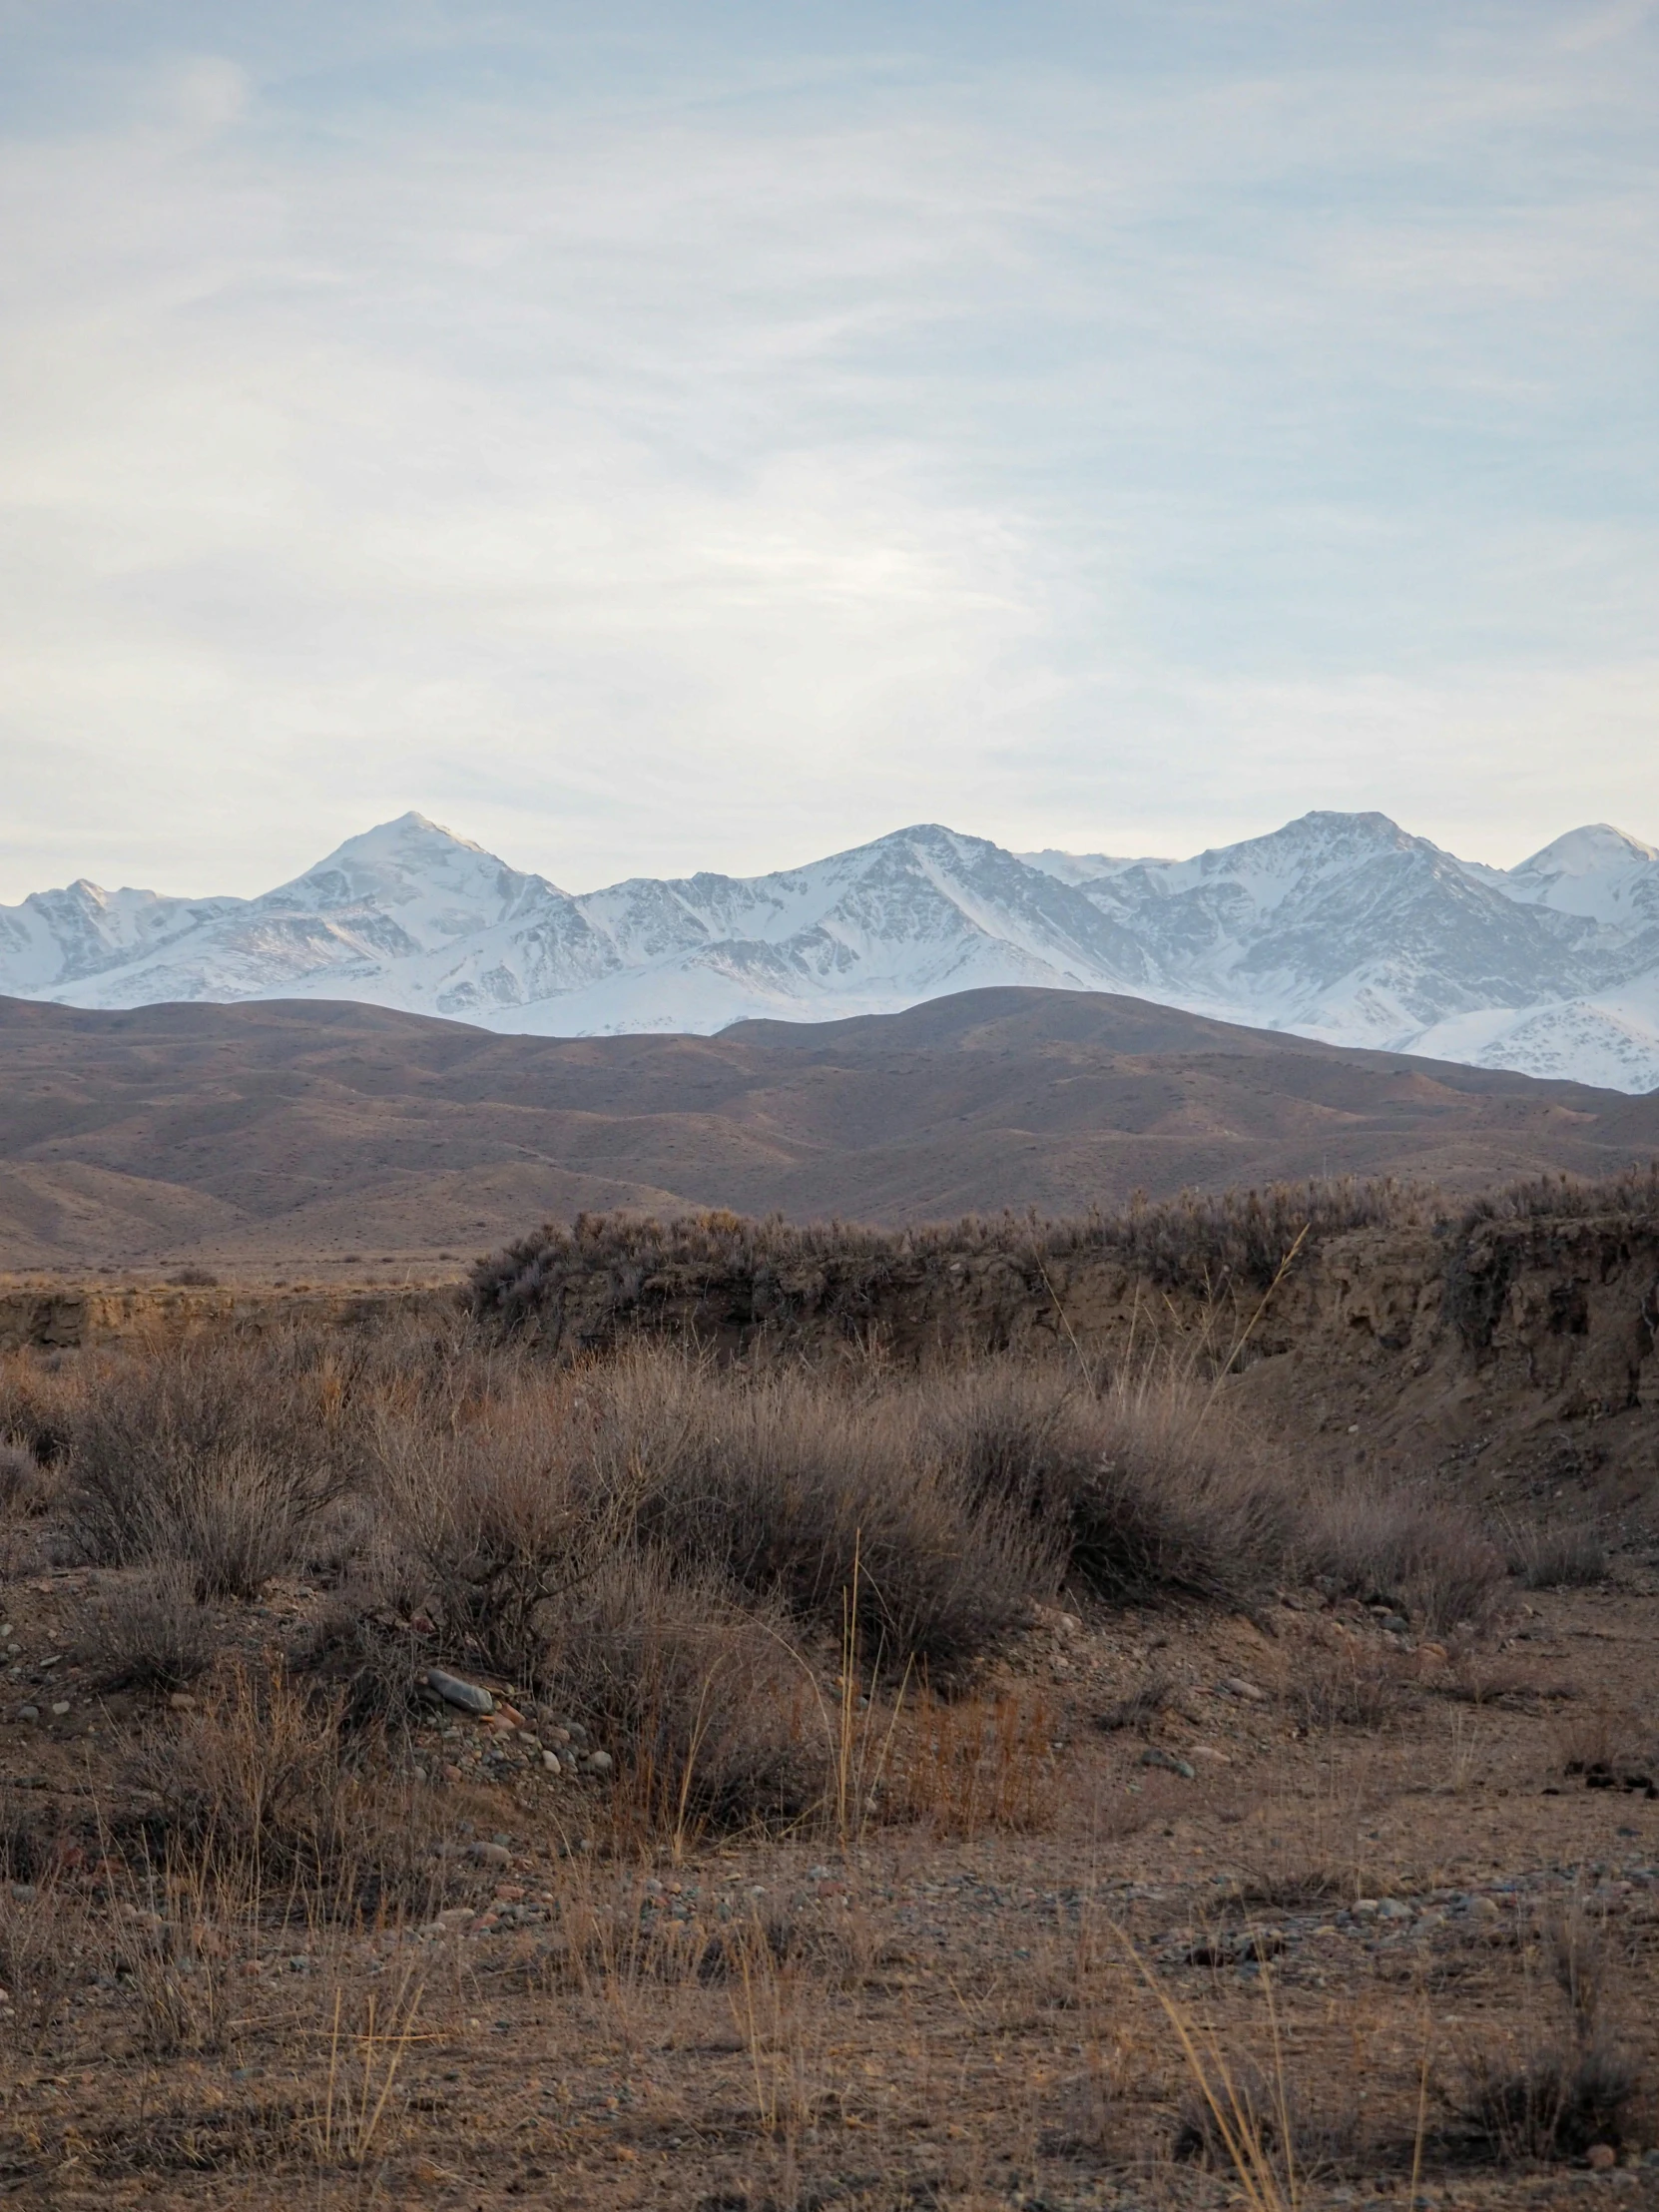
(1522, 1346)
(62, 1319)
(1525, 1343)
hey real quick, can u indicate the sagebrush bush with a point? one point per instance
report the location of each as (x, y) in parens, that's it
(151, 1630)
(214, 1452)
(820, 1493)
(1433, 1561)
(1139, 1488)
(772, 1270)
(713, 1718)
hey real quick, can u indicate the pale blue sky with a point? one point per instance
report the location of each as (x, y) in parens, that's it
(718, 435)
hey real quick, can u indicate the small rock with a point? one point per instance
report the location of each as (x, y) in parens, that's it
(1236, 1686)
(28, 1712)
(491, 1855)
(1365, 1908)
(469, 1697)
(1601, 2157)
(181, 1701)
(1483, 1909)
(598, 1761)
(552, 1761)
(1390, 1909)
(60, 1709)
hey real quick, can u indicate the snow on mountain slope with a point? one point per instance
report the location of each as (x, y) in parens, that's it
(1596, 871)
(54, 938)
(1346, 926)
(1340, 926)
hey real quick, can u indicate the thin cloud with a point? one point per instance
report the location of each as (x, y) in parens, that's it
(708, 459)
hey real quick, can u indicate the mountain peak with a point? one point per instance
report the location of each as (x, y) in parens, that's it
(1586, 851)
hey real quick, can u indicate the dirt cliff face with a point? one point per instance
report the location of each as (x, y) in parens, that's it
(63, 1319)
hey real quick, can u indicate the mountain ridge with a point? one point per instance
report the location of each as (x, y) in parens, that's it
(1344, 928)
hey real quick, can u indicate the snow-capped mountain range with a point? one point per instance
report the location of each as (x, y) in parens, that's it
(1338, 926)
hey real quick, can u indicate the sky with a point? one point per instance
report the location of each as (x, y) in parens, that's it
(655, 437)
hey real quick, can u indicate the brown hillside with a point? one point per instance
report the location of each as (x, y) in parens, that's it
(287, 1136)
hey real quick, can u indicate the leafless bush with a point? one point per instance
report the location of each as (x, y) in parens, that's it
(1557, 1555)
(1611, 1746)
(488, 1518)
(1564, 2095)
(1142, 1487)
(620, 1269)
(47, 1947)
(1353, 1687)
(1429, 1560)
(262, 1781)
(710, 1717)
(1565, 1197)
(822, 1496)
(26, 1488)
(151, 1630)
(36, 1393)
(212, 1453)
(1555, 2103)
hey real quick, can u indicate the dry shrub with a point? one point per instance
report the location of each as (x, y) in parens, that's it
(487, 1524)
(151, 1631)
(48, 1945)
(606, 1270)
(1430, 1561)
(1140, 1710)
(261, 1784)
(1564, 2094)
(1560, 1555)
(788, 1483)
(712, 1719)
(1143, 1486)
(1611, 1746)
(26, 1488)
(1554, 2105)
(36, 1393)
(1354, 1686)
(977, 1763)
(214, 1452)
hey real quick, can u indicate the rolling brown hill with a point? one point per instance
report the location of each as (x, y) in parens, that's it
(338, 1136)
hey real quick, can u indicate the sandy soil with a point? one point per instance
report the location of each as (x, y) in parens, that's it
(1163, 1824)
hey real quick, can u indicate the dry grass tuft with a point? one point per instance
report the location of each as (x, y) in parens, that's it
(151, 1631)
(973, 1765)
(1556, 1556)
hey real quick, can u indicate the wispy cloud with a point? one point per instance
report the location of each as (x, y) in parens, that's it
(704, 445)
